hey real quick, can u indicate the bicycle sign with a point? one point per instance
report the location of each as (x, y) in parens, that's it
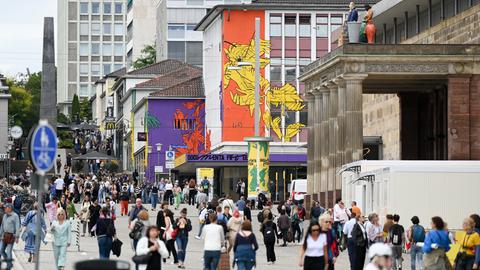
(43, 147)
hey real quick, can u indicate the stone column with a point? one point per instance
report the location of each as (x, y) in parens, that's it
(310, 141)
(353, 117)
(458, 114)
(48, 96)
(325, 117)
(318, 141)
(333, 136)
(340, 132)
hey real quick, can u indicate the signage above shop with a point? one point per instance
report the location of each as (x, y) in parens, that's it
(218, 157)
(141, 136)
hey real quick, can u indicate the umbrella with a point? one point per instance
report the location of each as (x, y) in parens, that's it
(84, 126)
(62, 126)
(94, 155)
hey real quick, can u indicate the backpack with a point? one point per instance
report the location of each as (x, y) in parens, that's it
(222, 221)
(268, 233)
(396, 234)
(260, 216)
(136, 232)
(418, 233)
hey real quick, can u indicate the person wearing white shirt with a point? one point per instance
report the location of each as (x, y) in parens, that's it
(59, 185)
(214, 241)
(314, 251)
(151, 244)
(347, 232)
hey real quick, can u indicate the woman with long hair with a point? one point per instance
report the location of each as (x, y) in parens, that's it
(170, 240)
(94, 214)
(269, 232)
(105, 231)
(150, 243)
(332, 247)
(314, 251)
(184, 225)
(245, 247)
(436, 244)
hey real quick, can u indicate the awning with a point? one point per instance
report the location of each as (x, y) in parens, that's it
(94, 155)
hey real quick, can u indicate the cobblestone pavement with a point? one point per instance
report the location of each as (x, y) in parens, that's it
(287, 257)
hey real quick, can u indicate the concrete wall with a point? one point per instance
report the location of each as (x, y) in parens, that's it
(161, 30)
(143, 16)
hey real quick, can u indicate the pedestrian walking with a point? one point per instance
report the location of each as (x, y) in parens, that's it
(177, 192)
(416, 237)
(316, 211)
(284, 225)
(138, 227)
(154, 196)
(214, 239)
(151, 244)
(94, 214)
(245, 247)
(351, 246)
(61, 230)
(192, 191)
(9, 232)
(169, 234)
(469, 241)
(340, 216)
(161, 219)
(297, 232)
(314, 251)
(183, 226)
(201, 197)
(374, 230)
(202, 218)
(380, 256)
(135, 210)
(396, 237)
(233, 226)
(30, 231)
(71, 211)
(247, 212)
(168, 192)
(105, 232)
(437, 243)
(360, 240)
(332, 247)
(269, 232)
(84, 213)
(52, 207)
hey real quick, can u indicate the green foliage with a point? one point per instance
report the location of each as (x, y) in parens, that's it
(149, 57)
(112, 166)
(85, 110)
(65, 138)
(75, 108)
(78, 166)
(62, 118)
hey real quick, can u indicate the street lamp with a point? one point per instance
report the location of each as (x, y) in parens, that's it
(159, 148)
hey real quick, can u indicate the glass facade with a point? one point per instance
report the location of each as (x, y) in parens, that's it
(296, 40)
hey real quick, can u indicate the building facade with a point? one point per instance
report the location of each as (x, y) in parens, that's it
(91, 44)
(4, 136)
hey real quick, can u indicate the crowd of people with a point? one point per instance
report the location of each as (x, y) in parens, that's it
(225, 226)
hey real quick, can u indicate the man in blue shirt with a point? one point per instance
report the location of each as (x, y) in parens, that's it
(353, 14)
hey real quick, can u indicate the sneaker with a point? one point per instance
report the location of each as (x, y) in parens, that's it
(269, 263)
(197, 237)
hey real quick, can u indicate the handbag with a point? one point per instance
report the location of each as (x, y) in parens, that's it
(117, 247)
(142, 259)
(8, 238)
(224, 263)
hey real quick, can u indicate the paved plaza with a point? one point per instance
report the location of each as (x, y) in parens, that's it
(287, 257)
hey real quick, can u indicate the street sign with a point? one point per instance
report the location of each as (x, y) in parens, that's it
(16, 132)
(170, 165)
(159, 169)
(43, 147)
(169, 155)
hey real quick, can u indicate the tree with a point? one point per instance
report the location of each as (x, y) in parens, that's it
(20, 107)
(85, 110)
(149, 57)
(75, 108)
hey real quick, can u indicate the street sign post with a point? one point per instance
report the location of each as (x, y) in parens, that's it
(43, 150)
(170, 162)
(169, 155)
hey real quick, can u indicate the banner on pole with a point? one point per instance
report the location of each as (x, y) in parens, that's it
(258, 165)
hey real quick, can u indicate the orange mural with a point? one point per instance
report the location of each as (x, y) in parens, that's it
(193, 138)
(238, 46)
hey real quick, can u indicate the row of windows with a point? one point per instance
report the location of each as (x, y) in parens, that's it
(203, 2)
(94, 69)
(96, 8)
(179, 30)
(104, 49)
(96, 29)
(184, 124)
(190, 52)
(304, 25)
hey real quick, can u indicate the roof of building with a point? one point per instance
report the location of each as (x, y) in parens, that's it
(176, 76)
(190, 88)
(160, 68)
(328, 5)
(117, 73)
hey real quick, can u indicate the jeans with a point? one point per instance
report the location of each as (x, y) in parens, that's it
(351, 252)
(6, 252)
(104, 246)
(397, 257)
(244, 265)
(200, 229)
(416, 253)
(465, 264)
(211, 259)
(154, 200)
(182, 241)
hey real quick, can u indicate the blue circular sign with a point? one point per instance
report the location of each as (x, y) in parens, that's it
(43, 147)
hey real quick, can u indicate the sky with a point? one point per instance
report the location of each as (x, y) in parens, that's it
(21, 33)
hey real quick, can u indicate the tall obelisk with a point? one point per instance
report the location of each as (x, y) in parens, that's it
(48, 101)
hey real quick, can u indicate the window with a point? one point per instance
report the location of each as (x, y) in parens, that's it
(95, 8)
(84, 29)
(176, 31)
(290, 74)
(107, 69)
(290, 25)
(335, 23)
(119, 29)
(84, 69)
(118, 8)
(176, 50)
(96, 48)
(107, 28)
(83, 8)
(119, 49)
(107, 8)
(194, 53)
(84, 92)
(107, 49)
(184, 124)
(275, 26)
(322, 27)
(190, 27)
(96, 69)
(305, 27)
(276, 74)
(84, 49)
(95, 29)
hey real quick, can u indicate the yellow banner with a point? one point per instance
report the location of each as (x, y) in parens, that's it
(205, 172)
(258, 167)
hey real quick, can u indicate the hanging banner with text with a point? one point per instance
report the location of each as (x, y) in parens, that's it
(258, 165)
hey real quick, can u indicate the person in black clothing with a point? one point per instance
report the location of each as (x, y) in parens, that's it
(170, 243)
(161, 220)
(359, 237)
(269, 232)
(184, 225)
(247, 212)
(105, 231)
(94, 211)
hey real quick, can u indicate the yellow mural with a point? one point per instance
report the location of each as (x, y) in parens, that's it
(286, 97)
